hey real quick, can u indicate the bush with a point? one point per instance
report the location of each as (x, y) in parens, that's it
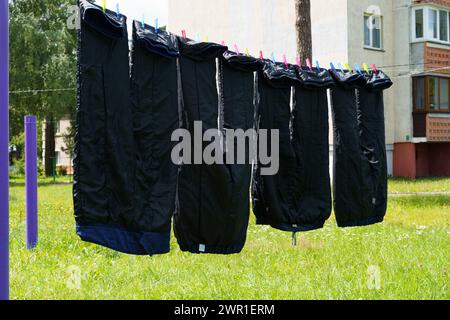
(62, 171)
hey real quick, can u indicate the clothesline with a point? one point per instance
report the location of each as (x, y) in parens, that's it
(399, 76)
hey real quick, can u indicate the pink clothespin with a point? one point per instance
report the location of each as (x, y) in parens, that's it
(236, 49)
(308, 63)
(223, 43)
(285, 61)
(374, 68)
(261, 56)
(298, 61)
(183, 33)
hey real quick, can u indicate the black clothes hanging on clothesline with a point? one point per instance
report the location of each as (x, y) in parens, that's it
(125, 181)
(298, 198)
(154, 96)
(360, 166)
(126, 187)
(213, 200)
(104, 153)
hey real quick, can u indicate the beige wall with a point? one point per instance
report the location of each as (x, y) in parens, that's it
(253, 24)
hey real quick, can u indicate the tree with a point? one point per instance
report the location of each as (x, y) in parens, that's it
(42, 57)
(303, 28)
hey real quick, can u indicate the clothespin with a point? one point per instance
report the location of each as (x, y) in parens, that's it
(272, 57)
(298, 61)
(308, 63)
(247, 53)
(156, 25)
(261, 56)
(317, 65)
(197, 38)
(143, 21)
(104, 5)
(358, 68)
(340, 67)
(285, 61)
(206, 38)
(348, 67)
(183, 33)
(236, 49)
(332, 67)
(222, 43)
(117, 10)
(374, 68)
(366, 68)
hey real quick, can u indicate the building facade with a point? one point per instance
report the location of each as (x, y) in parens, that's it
(63, 161)
(408, 39)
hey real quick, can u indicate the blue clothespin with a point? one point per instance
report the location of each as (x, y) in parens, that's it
(272, 57)
(156, 25)
(340, 67)
(317, 65)
(332, 67)
(143, 21)
(358, 68)
(117, 10)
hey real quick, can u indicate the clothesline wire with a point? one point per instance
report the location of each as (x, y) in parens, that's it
(383, 67)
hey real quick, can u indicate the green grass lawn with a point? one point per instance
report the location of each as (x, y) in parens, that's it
(410, 250)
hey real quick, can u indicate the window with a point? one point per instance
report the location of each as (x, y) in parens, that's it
(57, 158)
(443, 25)
(431, 94)
(372, 31)
(431, 24)
(443, 94)
(57, 127)
(419, 93)
(419, 23)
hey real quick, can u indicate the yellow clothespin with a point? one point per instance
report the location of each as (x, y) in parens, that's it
(104, 5)
(348, 67)
(366, 68)
(247, 53)
(206, 38)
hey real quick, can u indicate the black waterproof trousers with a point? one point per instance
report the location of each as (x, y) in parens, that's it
(204, 221)
(298, 198)
(125, 181)
(104, 154)
(360, 167)
(237, 78)
(154, 96)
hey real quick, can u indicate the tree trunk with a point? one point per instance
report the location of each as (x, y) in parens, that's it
(49, 146)
(303, 28)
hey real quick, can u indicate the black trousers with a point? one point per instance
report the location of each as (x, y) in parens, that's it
(203, 221)
(360, 167)
(154, 96)
(298, 198)
(125, 183)
(104, 154)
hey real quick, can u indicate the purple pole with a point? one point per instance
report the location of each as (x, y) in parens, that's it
(4, 151)
(31, 181)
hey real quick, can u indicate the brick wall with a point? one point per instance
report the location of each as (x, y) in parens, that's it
(445, 3)
(437, 58)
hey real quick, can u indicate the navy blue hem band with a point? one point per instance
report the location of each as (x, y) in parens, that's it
(361, 223)
(115, 238)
